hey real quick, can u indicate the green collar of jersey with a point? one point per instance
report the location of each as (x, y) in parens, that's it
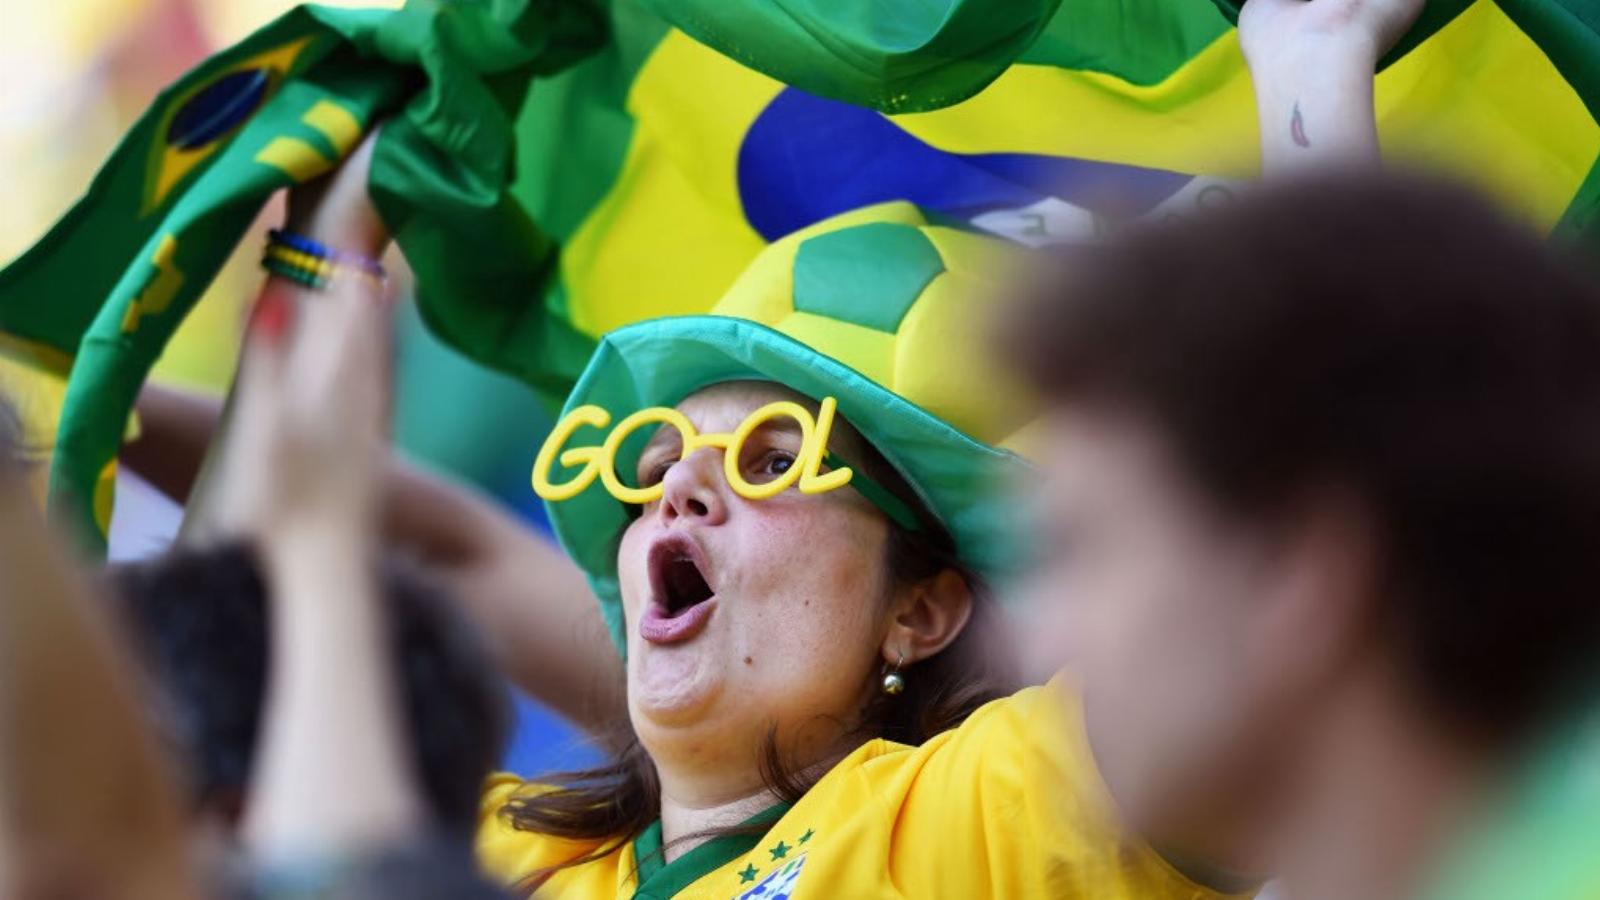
(661, 880)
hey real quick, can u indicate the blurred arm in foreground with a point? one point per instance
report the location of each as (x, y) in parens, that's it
(335, 803)
(86, 807)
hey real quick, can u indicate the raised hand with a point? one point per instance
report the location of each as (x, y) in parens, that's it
(1362, 30)
(310, 414)
(1312, 63)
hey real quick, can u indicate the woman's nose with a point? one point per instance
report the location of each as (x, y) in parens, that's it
(694, 487)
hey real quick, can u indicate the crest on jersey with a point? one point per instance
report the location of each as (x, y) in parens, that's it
(779, 883)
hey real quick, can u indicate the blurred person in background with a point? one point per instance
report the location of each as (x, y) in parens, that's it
(337, 803)
(87, 806)
(1321, 508)
(198, 620)
(1322, 518)
(340, 803)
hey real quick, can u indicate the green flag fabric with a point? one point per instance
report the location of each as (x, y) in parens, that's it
(890, 55)
(110, 283)
(678, 161)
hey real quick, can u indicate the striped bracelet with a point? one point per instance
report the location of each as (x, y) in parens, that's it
(312, 264)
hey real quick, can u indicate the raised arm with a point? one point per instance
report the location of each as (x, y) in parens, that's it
(87, 806)
(332, 776)
(1312, 63)
(532, 601)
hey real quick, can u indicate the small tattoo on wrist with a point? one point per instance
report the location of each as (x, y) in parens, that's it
(1297, 127)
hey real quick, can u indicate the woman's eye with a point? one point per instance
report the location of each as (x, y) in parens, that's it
(773, 464)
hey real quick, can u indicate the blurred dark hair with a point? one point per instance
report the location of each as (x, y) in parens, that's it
(199, 618)
(1390, 335)
(617, 801)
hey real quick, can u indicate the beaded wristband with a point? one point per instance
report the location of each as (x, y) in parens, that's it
(312, 264)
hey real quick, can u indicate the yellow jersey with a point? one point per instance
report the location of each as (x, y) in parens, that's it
(1009, 804)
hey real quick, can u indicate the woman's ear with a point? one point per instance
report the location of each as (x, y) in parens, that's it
(1322, 603)
(925, 619)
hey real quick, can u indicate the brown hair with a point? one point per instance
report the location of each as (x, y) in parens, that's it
(1391, 336)
(616, 801)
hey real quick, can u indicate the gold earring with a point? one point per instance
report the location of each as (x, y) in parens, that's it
(893, 681)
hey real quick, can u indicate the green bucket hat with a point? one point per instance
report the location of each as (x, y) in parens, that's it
(877, 309)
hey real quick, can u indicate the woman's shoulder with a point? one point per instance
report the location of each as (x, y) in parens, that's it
(1022, 759)
(997, 799)
(501, 787)
(1045, 708)
(1037, 719)
(509, 855)
(1007, 803)
(1036, 712)
(499, 791)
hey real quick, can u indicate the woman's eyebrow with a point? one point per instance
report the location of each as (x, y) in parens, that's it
(781, 425)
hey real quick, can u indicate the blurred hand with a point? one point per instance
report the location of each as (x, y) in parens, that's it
(302, 477)
(310, 415)
(228, 495)
(88, 806)
(1276, 33)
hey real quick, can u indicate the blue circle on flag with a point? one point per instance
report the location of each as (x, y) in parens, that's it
(217, 109)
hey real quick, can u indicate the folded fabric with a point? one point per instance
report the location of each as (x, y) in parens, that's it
(109, 284)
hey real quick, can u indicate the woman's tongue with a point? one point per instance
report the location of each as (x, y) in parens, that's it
(682, 610)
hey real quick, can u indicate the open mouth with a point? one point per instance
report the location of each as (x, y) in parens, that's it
(682, 585)
(682, 595)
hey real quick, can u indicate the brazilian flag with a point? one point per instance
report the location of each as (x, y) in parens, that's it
(554, 169)
(1114, 107)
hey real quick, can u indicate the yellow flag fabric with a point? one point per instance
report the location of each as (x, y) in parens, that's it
(722, 160)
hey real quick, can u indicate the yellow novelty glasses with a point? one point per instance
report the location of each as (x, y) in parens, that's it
(600, 461)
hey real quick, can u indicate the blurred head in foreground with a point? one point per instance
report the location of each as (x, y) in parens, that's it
(199, 620)
(1323, 512)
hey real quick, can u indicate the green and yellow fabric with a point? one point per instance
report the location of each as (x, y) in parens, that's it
(876, 308)
(665, 144)
(1118, 106)
(105, 288)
